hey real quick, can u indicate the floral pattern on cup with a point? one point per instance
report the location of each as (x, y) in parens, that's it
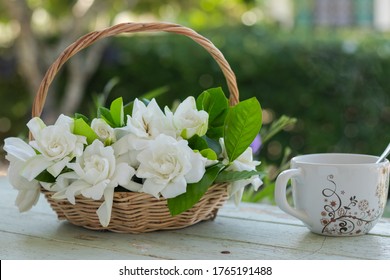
(346, 214)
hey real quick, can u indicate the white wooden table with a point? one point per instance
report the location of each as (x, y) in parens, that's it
(252, 231)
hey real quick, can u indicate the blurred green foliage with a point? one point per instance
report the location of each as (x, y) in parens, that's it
(337, 88)
(15, 101)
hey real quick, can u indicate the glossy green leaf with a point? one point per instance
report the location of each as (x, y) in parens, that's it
(81, 116)
(213, 144)
(128, 108)
(105, 114)
(194, 191)
(82, 128)
(243, 123)
(215, 132)
(215, 103)
(231, 176)
(46, 177)
(116, 110)
(197, 143)
(209, 154)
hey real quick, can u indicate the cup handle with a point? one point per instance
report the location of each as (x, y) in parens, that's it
(280, 194)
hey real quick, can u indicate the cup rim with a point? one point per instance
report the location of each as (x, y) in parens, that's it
(366, 159)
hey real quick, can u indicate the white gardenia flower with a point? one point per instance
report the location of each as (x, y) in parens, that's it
(188, 120)
(95, 175)
(18, 152)
(167, 165)
(147, 122)
(103, 130)
(244, 162)
(56, 144)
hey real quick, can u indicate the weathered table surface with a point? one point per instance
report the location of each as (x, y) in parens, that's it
(251, 231)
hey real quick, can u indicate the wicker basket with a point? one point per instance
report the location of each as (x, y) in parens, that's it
(136, 212)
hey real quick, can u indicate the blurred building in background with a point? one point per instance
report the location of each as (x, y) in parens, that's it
(331, 13)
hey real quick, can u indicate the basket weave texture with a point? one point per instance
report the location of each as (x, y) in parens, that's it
(136, 212)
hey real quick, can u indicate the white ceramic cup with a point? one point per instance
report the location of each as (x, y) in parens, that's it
(335, 194)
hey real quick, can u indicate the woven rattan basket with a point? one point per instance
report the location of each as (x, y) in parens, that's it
(136, 212)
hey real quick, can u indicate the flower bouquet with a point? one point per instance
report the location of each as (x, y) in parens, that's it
(137, 167)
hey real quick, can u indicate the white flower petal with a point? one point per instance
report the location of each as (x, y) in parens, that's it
(188, 120)
(14, 170)
(60, 195)
(256, 182)
(238, 196)
(149, 121)
(236, 189)
(95, 192)
(104, 211)
(123, 174)
(138, 107)
(36, 125)
(166, 162)
(198, 164)
(174, 188)
(236, 186)
(137, 144)
(29, 190)
(74, 189)
(103, 130)
(18, 148)
(64, 180)
(56, 168)
(48, 186)
(121, 146)
(153, 188)
(244, 162)
(34, 166)
(27, 198)
(79, 147)
(56, 141)
(66, 121)
(223, 152)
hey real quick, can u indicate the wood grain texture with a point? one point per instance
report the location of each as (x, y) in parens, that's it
(251, 231)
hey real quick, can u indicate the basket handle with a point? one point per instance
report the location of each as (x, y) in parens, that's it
(130, 27)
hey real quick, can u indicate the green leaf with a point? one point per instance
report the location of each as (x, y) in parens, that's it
(276, 127)
(242, 124)
(46, 177)
(81, 116)
(215, 103)
(215, 132)
(231, 176)
(105, 114)
(194, 191)
(209, 154)
(116, 110)
(197, 143)
(128, 108)
(82, 128)
(213, 144)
